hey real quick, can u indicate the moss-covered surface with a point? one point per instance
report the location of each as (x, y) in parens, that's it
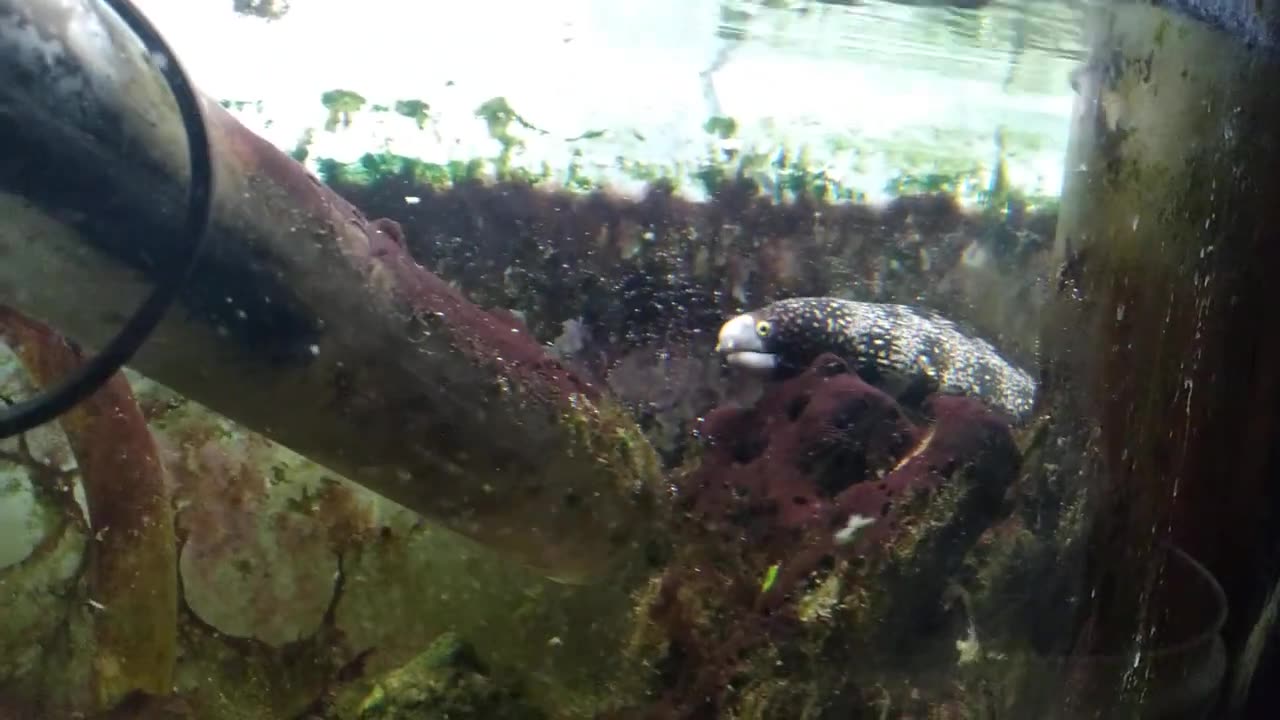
(446, 682)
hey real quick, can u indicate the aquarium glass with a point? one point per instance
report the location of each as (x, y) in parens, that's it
(671, 360)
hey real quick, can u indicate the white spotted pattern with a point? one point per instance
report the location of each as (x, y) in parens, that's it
(898, 340)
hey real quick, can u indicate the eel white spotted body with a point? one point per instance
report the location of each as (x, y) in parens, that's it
(887, 344)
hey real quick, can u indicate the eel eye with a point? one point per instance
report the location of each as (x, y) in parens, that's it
(763, 328)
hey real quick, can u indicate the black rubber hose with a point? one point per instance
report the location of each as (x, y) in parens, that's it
(93, 374)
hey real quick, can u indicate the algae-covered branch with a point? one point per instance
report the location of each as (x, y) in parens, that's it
(305, 321)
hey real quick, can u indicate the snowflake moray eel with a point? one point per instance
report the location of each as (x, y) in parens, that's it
(896, 347)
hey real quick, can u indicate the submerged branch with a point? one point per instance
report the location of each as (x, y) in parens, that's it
(304, 321)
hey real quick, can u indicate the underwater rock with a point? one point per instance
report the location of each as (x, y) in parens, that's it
(447, 681)
(786, 459)
(37, 597)
(825, 528)
(141, 706)
(822, 450)
(33, 470)
(26, 521)
(248, 570)
(273, 585)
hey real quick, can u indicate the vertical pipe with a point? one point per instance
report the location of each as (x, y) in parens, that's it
(1162, 337)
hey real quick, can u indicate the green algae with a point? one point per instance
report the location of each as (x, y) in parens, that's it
(499, 116)
(782, 176)
(446, 682)
(416, 110)
(783, 171)
(721, 126)
(241, 105)
(302, 150)
(373, 168)
(589, 135)
(342, 105)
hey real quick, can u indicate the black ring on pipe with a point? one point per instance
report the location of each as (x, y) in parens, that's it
(93, 374)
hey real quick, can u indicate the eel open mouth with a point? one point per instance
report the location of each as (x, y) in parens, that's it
(751, 360)
(742, 347)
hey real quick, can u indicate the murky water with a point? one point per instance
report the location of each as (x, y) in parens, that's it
(668, 360)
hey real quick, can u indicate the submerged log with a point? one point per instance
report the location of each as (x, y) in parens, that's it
(304, 321)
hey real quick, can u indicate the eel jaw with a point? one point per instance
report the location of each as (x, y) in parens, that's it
(742, 347)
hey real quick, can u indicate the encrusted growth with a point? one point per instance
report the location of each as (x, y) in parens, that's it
(447, 680)
(824, 531)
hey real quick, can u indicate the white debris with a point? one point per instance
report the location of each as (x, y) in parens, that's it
(849, 532)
